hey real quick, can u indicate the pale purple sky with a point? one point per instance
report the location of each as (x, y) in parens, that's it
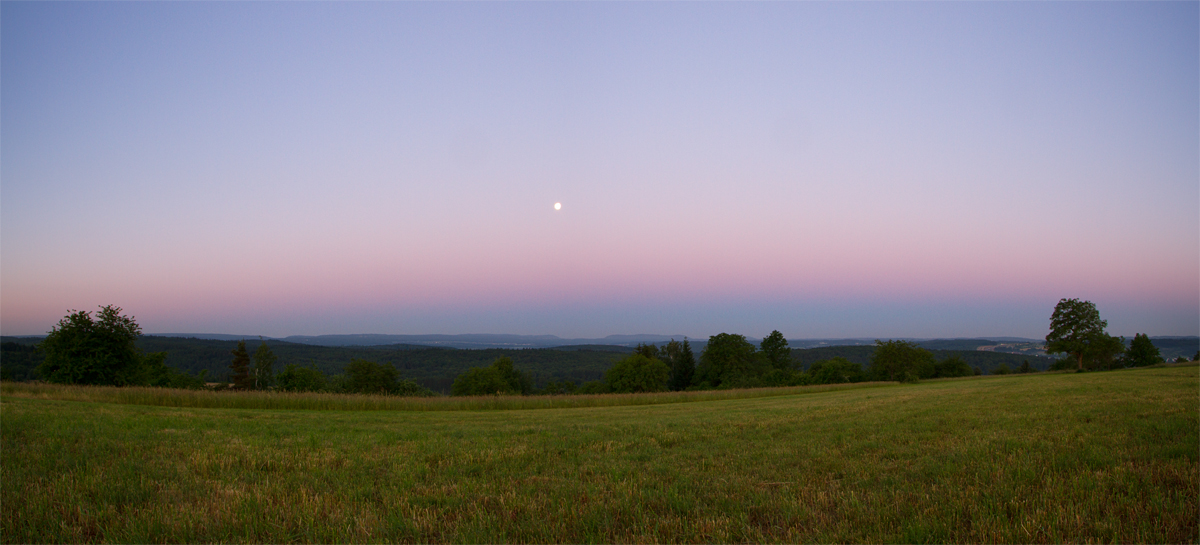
(922, 169)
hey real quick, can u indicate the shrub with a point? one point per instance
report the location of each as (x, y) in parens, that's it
(836, 370)
(953, 366)
(498, 379)
(897, 360)
(300, 379)
(83, 350)
(637, 373)
(593, 387)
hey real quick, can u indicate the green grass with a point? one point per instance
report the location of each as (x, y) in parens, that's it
(1085, 457)
(209, 399)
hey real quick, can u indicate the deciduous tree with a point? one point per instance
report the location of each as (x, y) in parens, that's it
(776, 350)
(1104, 352)
(83, 350)
(954, 366)
(301, 379)
(368, 377)
(835, 370)
(637, 373)
(1074, 326)
(901, 361)
(498, 379)
(729, 360)
(648, 350)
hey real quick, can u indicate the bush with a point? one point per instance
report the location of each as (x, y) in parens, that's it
(565, 387)
(953, 366)
(498, 379)
(783, 377)
(637, 373)
(901, 361)
(1063, 364)
(300, 379)
(368, 377)
(101, 351)
(593, 387)
(836, 370)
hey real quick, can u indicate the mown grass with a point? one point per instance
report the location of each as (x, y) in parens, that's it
(209, 399)
(1042, 458)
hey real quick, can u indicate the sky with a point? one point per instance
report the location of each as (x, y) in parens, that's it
(848, 169)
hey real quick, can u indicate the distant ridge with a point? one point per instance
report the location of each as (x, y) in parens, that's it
(210, 336)
(476, 340)
(489, 340)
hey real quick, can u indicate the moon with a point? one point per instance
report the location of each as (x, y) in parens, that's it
(558, 206)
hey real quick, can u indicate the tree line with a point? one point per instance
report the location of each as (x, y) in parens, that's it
(727, 361)
(102, 349)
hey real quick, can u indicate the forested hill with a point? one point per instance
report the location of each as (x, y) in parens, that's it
(436, 368)
(431, 367)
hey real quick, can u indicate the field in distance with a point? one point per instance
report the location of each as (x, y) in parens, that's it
(1060, 457)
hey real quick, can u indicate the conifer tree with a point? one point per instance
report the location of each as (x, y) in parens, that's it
(241, 368)
(683, 364)
(264, 360)
(1142, 352)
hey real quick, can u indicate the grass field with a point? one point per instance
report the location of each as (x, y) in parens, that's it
(1109, 457)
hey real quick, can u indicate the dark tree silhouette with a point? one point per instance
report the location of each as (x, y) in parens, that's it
(240, 377)
(1074, 326)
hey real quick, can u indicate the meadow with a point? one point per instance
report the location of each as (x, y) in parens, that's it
(1048, 457)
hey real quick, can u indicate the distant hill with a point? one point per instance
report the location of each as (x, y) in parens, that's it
(1174, 347)
(957, 344)
(597, 347)
(430, 366)
(477, 341)
(209, 336)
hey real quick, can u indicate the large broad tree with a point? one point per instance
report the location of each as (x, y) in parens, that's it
(776, 350)
(730, 360)
(100, 350)
(1074, 327)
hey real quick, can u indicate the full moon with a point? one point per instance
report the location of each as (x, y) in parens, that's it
(558, 206)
